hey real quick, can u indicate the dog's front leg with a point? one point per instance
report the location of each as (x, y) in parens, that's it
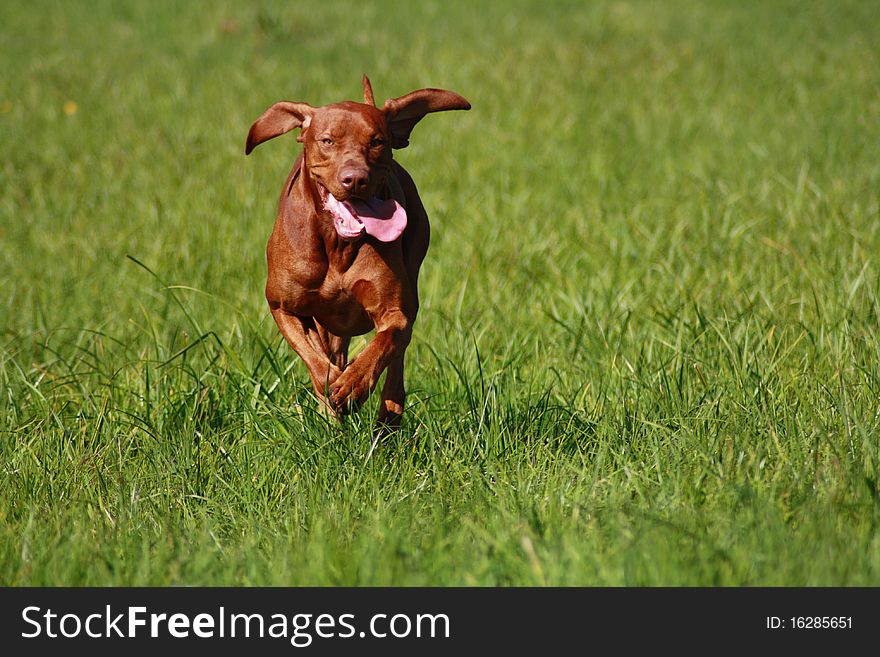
(393, 333)
(302, 334)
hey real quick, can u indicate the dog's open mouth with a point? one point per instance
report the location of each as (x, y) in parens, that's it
(383, 219)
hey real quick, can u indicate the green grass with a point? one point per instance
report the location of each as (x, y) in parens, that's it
(649, 345)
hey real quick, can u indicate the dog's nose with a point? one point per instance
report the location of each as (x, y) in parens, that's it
(354, 180)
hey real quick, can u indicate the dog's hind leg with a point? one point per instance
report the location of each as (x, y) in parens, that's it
(335, 346)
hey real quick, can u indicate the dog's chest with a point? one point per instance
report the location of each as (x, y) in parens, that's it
(335, 306)
(331, 299)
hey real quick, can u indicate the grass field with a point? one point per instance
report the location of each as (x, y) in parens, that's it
(649, 345)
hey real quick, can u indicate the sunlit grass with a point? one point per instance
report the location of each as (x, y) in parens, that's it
(648, 346)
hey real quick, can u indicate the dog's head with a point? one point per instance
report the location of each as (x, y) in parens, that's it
(348, 145)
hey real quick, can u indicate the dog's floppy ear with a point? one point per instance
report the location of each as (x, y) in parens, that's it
(402, 114)
(280, 118)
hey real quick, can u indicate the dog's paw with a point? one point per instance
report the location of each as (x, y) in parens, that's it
(388, 420)
(349, 391)
(385, 426)
(333, 374)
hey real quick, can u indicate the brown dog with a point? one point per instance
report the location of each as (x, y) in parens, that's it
(349, 238)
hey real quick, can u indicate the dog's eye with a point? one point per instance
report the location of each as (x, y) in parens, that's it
(376, 142)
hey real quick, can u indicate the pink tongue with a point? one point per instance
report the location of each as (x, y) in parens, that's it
(384, 220)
